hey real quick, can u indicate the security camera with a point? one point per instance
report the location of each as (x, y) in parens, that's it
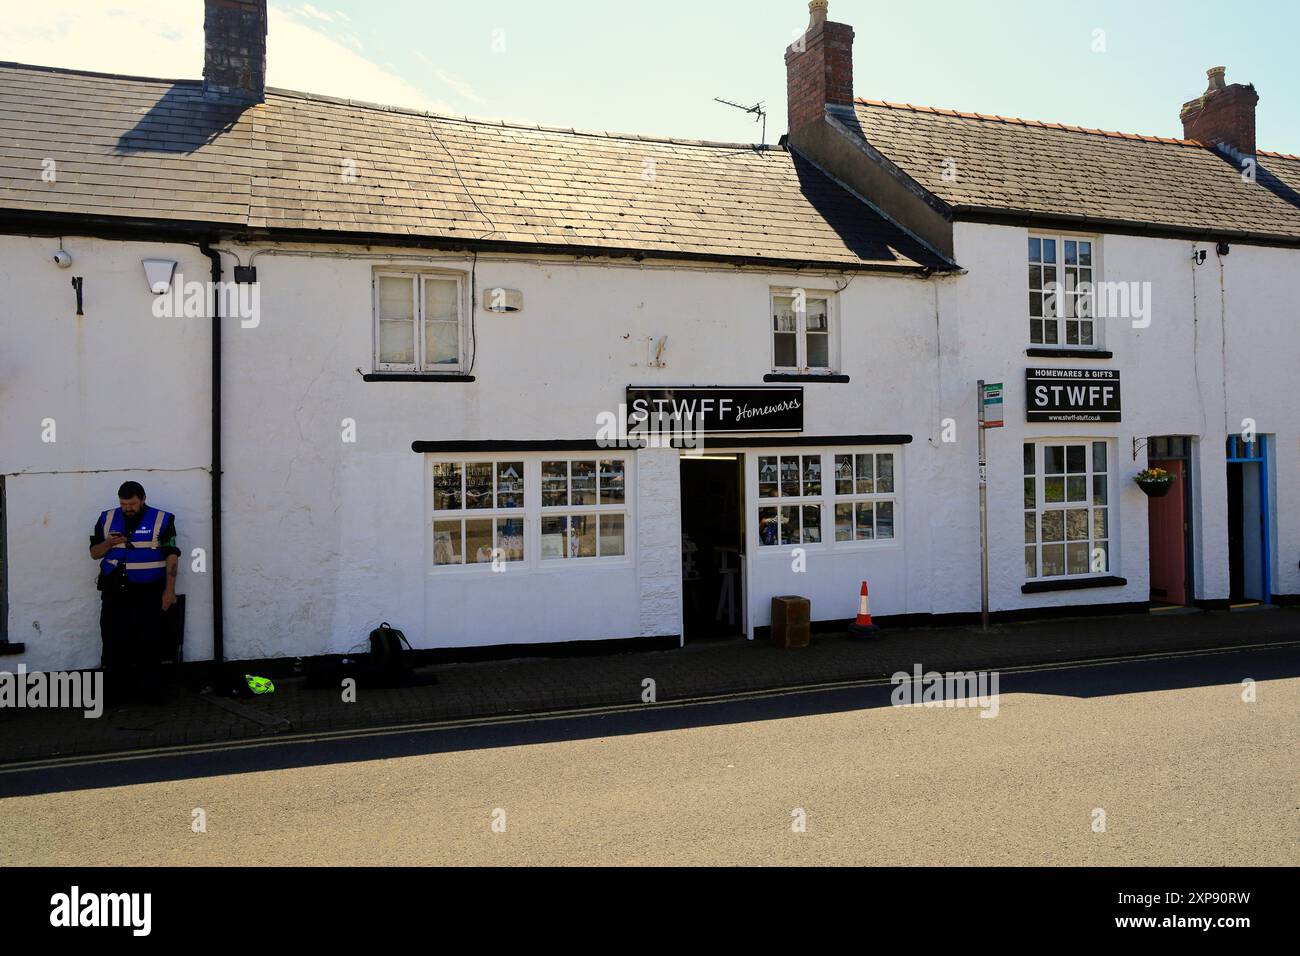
(63, 259)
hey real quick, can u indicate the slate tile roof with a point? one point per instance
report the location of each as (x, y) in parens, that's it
(1024, 165)
(158, 150)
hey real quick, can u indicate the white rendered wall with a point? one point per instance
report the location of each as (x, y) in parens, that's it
(1173, 380)
(128, 394)
(325, 538)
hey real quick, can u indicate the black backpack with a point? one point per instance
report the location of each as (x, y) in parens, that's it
(391, 654)
(390, 663)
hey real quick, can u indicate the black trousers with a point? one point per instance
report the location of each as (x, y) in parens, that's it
(130, 623)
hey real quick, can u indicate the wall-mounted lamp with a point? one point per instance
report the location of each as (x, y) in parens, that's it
(503, 300)
(158, 273)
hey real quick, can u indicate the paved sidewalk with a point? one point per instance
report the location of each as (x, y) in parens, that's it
(536, 684)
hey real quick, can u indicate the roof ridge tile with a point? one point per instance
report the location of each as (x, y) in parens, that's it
(1044, 124)
(401, 110)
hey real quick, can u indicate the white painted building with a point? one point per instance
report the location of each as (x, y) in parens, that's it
(396, 448)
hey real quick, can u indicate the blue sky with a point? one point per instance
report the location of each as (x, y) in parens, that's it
(655, 67)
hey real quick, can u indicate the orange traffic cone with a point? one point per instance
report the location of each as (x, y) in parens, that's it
(863, 627)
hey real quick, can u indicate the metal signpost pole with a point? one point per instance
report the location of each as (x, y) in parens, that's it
(984, 513)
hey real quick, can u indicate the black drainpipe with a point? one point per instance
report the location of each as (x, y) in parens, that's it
(214, 563)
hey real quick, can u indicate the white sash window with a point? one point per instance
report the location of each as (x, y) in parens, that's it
(1062, 294)
(419, 323)
(803, 334)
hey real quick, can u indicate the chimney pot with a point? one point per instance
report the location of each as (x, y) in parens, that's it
(1224, 115)
(818, 69)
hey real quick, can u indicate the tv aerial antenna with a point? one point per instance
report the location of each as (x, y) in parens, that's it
(757, 109)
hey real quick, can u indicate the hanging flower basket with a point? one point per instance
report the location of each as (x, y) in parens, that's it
(1154, 482)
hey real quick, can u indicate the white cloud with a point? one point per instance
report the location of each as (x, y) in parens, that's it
(457, 84)
(311, 11)
(164, 38)
(299, 57)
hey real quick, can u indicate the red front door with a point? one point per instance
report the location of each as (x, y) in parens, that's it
(1167, 524)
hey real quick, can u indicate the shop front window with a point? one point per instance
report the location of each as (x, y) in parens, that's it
(1066, 509)
(864, 497)
(789, 518)
(583, 503)
(478, 512)
(833, 498)
(483, 510)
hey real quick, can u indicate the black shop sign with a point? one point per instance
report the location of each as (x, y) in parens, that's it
(1071, 395)
(713, 410)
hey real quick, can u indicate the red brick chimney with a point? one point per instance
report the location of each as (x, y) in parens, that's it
(818, 69)
(1222, 115)
(234, 49)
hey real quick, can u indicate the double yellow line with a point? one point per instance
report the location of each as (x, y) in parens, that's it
(282, 740)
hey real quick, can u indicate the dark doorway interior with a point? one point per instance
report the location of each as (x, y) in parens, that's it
(1245, 530)
(1249, 522)
(713, 547)
(1236, 542)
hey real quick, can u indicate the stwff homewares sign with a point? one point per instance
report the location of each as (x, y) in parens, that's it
(1071, 395)
(713, 410)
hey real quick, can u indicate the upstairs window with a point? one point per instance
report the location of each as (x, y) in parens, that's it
(419, 322)
(1061, 293)
(803, 338)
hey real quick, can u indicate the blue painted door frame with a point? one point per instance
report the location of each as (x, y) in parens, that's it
(1256, 453)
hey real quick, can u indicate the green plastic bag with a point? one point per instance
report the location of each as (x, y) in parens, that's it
(260, 685)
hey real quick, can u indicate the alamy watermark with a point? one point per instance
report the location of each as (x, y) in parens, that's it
(672, 424)
(75, 908)
(1101, 300)
(76, 690)
(950, 689)
(189, 300)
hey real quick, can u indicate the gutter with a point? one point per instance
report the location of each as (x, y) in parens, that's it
(1129, 227)
(22, 222)
(218, 593)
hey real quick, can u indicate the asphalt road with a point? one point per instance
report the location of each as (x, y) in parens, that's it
(1185, 770)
